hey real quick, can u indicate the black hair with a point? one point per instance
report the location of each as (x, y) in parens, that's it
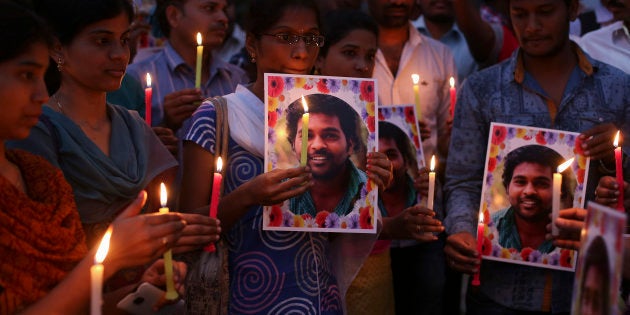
(597, 257)
(68, 18)
(264, 14)
(338, 23)
(328, 105)
(160, 14)
(20, 28)
(387, 130)
(536, 154)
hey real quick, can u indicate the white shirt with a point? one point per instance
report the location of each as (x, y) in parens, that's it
(434, 63)
(609, 44)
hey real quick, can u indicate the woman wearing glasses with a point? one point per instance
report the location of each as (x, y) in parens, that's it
(270, 272)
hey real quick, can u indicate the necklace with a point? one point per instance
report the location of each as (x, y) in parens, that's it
(97, 127)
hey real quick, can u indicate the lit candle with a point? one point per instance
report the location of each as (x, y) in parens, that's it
(416, 93)
(557, 194)
(96, 274)
(199, 57)
(305, 118)
(453, 94)
(214, 198)
(619, 172)
(171, 294)
(148, 93)
(480, 227)
(431, 195)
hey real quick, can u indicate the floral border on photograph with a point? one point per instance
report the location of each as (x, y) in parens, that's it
(283, 89)
(502, 140)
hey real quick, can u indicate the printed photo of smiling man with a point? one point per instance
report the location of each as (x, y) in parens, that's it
(528, 181)
(333, 136)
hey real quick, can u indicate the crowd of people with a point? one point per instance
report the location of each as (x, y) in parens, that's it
(77, 156)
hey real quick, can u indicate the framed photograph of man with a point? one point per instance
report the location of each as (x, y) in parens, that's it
(399, 124)
(341, 128)
(598, 272)
(518, 193)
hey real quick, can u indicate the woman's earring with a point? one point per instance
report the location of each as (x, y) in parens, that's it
(59, 64)
(252, 58)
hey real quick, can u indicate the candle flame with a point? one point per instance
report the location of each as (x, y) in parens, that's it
(481, 217)
(432, 163)
(219, 164)
(451, 81)
(103, 248)
(415, 78)
(199, 39)
(564, 165)
(148, 80)
(163, 195)
(616, 142)
(304, 105)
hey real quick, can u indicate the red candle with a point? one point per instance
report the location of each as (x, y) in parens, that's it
(214, 198)
(480, 227)
(453, 94)
(148, 93)
(619, 172)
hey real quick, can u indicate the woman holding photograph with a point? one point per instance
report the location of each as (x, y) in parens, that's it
(292, 270)
(45, 261)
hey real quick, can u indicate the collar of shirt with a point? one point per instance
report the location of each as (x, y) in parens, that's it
(584, 68)
(620, 31)
(454, 33)
(518, 67)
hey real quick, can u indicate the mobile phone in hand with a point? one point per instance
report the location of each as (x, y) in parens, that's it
(141, 302)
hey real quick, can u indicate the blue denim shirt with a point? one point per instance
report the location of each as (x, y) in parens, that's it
(596, 93)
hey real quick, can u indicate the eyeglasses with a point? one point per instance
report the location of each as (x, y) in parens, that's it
(291, 39)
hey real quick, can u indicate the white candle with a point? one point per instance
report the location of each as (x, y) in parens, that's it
(557, 194)
(96, 274)
(416, 93)
(171, 294)
(431, 195)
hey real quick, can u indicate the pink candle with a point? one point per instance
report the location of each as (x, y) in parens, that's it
(480, 227)
(453, 94)
(214, 198)
(619, 172)
(148, 93)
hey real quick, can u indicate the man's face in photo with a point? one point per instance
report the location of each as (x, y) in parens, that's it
(388, 147)
(328, 148)
(593, 297)
(530, 191)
